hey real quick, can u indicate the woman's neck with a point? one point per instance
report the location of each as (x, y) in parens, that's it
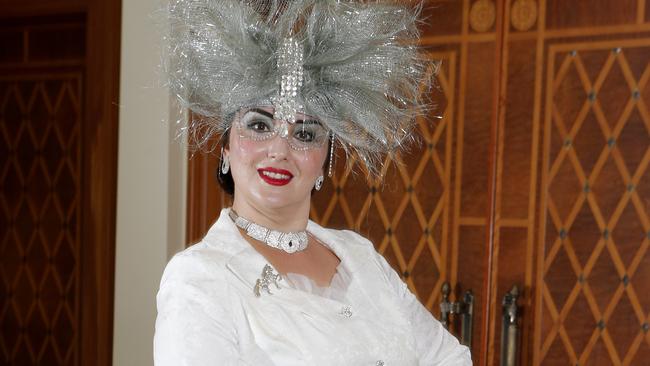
(288, 218)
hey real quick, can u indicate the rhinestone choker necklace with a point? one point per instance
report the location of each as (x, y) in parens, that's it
(290, 242)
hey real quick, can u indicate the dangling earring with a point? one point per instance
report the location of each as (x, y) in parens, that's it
(331, 164)
(225, 163)
(319, 183)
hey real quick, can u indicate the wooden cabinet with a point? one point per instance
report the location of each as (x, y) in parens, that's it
(58, 170)
(532, 171)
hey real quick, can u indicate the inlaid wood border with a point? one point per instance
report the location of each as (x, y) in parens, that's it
(99, 195)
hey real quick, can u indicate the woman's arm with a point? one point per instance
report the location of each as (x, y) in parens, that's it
(434, 344)
(193, 327)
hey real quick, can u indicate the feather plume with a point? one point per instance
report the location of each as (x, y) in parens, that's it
(362, 67)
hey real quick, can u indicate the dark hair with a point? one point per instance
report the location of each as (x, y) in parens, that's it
(225, 180)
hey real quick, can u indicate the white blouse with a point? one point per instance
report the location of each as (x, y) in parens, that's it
(208, 313)
(335, 291)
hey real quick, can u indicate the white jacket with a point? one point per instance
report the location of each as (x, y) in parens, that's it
(209, 315)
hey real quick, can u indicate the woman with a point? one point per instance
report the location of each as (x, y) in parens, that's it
(283, 83)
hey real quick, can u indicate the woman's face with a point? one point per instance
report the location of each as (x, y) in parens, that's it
(268, 170)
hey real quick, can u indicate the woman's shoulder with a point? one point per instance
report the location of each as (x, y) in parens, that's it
(208, 256)
(351, 238)
(201, 260)
(352, 245)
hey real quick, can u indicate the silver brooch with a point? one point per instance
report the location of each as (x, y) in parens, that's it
(268, 277)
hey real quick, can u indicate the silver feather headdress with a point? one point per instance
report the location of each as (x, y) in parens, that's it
(353, 65)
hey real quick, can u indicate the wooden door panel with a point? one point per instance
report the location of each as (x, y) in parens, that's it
(205, 199)
(41, 236)
(40, 124)
(588, 263)
(595, 13)
(535, 175)
(406, 213)
(430, 218)
(473, 154)
(57, 182)
(573, 132)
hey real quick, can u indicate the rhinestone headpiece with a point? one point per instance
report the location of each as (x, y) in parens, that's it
(290, 67)
(355, 66)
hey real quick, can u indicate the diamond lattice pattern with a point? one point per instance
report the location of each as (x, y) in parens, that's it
(405, 214)
(39, 214)
(596, 298)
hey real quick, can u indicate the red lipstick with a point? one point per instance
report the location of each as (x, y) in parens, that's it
(274, 176)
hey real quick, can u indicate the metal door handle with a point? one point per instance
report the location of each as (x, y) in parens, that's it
(463, 308)
(510, 328)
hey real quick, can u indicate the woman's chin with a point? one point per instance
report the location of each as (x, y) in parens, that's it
(274, 198)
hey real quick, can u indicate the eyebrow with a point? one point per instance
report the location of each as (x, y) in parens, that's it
(262, 112)
(270, 115)
(307, 121)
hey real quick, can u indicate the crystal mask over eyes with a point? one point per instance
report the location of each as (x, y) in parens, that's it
(260, 125)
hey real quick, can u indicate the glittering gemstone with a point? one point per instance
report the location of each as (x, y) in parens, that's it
(346, 311)
(257, 232)
(290, 64)
(274, 237)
